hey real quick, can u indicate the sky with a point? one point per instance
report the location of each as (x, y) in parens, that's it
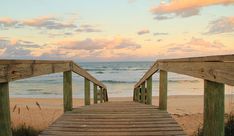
(115, 30)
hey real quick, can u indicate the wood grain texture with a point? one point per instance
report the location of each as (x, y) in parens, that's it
(67, 90)
(115, 119)
(213, 108)
(11, 70)
(149, 90)
(87, 91)
(5, 120)
(95, 94)
(163, 90)
(217, 58)
(143, 93)
(214, 68)
(80, 71)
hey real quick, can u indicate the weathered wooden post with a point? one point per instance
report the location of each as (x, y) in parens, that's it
(137, 95)
(101, 94)
(140, 95)
(94, 93)
(163, 90)
(134, 94)
(149, 90)
(213, 108)
(5, 118)
(87, 91)
(106, 95)
(143, 93)
(67, 90)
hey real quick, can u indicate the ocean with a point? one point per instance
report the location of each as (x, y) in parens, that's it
(119, 77)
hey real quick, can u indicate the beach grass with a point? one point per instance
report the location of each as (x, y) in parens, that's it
(229, 126)
(24, 130)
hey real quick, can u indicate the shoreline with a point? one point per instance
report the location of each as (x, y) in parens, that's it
(187, 110)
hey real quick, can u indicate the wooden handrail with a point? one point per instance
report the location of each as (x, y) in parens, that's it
(11, 70)
(213, 68)
(19, 69)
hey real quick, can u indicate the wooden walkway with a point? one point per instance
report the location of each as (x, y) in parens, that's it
(115, 119)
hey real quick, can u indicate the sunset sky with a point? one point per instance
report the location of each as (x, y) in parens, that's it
(115, 30)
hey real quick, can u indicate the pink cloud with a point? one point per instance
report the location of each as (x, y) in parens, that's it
(221, 25)
(143, 31)
(186, 8)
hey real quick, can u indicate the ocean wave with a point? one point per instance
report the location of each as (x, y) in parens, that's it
(171, 81)
(114, 81)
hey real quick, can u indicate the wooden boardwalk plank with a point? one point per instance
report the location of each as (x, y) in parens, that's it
(115, 119)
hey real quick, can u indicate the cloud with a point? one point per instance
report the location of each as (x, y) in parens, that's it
(127, 44)
(88, 29)
(221, 25)
(195, 45)
(87, 44)
(7, 22)
(93, 44)
(184, 8)
(155, 34)
(45, 22)
(143, 31)
(48, 23)
(16, 49)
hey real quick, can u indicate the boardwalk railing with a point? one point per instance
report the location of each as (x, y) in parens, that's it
(11, 70)
(215, 70)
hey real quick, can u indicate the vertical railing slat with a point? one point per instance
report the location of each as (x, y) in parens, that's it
(5, 118)
(213, 108)
(87, 91)
(95, 93)
(163, 90)
(149, 90)
(67, 90)
(143, 93)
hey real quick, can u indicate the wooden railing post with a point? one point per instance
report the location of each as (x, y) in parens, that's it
(106, 95)
(149, 90)
(94, 93)
(140, 95)
(163, 90)
(87, 91)
(134, 94)
(213, 108)
(67, 90)
(143, 93)
(101, 95)
(5, 118)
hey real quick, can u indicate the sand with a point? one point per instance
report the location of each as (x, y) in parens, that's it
(187, 110)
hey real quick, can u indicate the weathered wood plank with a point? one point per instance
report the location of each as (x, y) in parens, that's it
(67, 90)
(19, 69)
(13, 72)
(118, 121)
(80, 71)
(143, 93)
(149, 90)
(153, 69)
(87, 91)
(215, 68)
(95, 93)
(217, 58)
(163, 90)
(5, 118)
(221, 72)
(213, 109)
(101, 94)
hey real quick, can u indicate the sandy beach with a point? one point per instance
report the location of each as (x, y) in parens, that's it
(40, 112)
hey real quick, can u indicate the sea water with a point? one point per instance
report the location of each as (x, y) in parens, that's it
(119, 77)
